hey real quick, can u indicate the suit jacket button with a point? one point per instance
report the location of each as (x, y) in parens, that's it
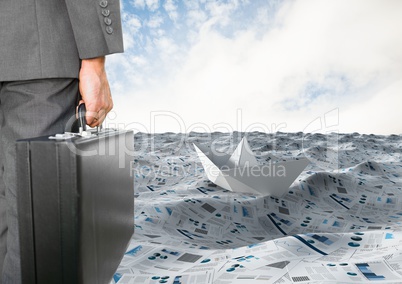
(105, 12)
(107, 21)
(103, 3)
(109, 29)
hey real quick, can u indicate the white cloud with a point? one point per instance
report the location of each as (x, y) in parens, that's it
(155, 21)
(171, 9)
(132, 23)
(166, 45)
(195, 18)
(221, 9)
(139, 4)
(131, 27)
(152, 5)
(379, 113)
(192, 4)
(220, 13)
(317, 56)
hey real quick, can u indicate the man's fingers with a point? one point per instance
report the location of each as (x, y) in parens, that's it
(91, 117)
(102, 116)
(110, 107)
(95, 118)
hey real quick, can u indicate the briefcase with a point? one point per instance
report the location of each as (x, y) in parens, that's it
(75, 206)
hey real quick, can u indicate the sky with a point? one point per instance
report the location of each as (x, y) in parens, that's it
(259, 65)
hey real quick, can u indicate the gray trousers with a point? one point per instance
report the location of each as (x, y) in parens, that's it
(27, 109)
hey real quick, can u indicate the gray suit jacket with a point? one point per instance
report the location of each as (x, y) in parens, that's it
(47, 38)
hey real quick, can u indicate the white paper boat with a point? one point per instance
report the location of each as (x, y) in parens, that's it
(240, 172)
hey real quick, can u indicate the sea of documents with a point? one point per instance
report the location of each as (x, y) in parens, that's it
(340, 221)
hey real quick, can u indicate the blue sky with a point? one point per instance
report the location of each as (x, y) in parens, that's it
(259, 65)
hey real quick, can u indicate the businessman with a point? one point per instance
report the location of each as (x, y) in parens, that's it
(49, 49)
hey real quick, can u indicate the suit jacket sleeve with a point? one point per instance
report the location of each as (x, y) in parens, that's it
(96, 26)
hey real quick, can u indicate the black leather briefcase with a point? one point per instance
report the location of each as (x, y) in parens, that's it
(75, 206)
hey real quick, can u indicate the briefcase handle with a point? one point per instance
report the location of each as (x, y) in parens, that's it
(78, 126)
(82, 122)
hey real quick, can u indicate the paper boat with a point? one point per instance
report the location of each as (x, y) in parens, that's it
(241, 172)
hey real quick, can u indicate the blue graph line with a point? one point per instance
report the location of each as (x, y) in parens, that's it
(309, 245)
(340, 203)
(298, 248)
(276, 225)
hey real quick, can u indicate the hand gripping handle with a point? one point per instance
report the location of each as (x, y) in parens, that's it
(82, 122)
